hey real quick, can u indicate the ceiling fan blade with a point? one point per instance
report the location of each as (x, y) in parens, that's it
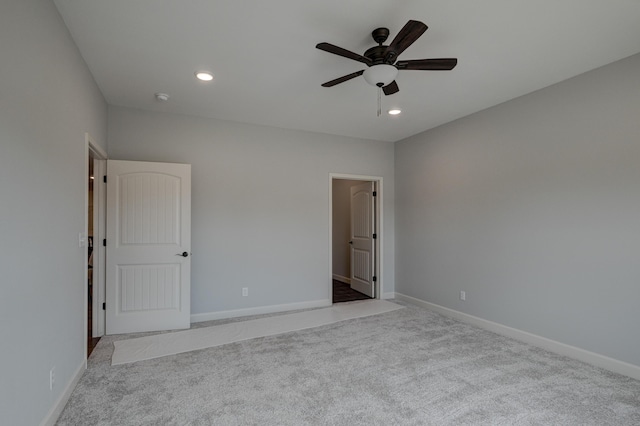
(405, 38)
(439, 64)
(391, 88)
(328, 47)
(343, 79)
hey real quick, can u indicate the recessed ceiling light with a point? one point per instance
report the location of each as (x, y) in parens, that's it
(204, 76)
(394, 111)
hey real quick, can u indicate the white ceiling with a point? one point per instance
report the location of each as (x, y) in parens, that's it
(268, 71)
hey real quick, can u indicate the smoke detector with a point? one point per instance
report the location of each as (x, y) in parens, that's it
(162, 97)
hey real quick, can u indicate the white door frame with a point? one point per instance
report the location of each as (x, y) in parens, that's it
(379, 228)
(93, 150)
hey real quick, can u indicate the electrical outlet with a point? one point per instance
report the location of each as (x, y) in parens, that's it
(245, 291)
(463, 295)
(52, 378)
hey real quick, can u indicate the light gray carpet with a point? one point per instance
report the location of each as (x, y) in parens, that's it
(406, 367)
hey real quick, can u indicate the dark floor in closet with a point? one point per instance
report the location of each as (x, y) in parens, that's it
(343, 293)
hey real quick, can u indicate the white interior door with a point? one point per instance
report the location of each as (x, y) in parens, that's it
(148, 246)
(362, 240)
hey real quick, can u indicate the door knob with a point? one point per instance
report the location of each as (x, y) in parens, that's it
(183, 254)
(350, 242)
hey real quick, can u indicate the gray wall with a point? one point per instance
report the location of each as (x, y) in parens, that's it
(48, 100)
(260, 202)
(341, 204)
(533, 208)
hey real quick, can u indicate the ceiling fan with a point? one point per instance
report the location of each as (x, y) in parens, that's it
(381, 59)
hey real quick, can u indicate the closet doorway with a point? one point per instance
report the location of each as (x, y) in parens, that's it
(355, 237)
(95, 204)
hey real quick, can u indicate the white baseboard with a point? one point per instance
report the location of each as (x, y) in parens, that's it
(52, 416)
(389, 295)
(583, 355)
(342, 279)
(210, 316)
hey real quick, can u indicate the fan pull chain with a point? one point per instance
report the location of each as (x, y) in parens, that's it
(379, 101)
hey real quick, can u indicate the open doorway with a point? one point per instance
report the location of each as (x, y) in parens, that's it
(355, 238)
(91, 341)
(95, 204)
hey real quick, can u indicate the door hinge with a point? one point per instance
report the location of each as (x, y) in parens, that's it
(104, 178)
(375, 193)
(104, 306)
(375, 278)
(375, 236)
(104, 242)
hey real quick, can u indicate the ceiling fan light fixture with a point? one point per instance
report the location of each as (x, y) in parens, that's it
(380, 75)
(204, 76)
